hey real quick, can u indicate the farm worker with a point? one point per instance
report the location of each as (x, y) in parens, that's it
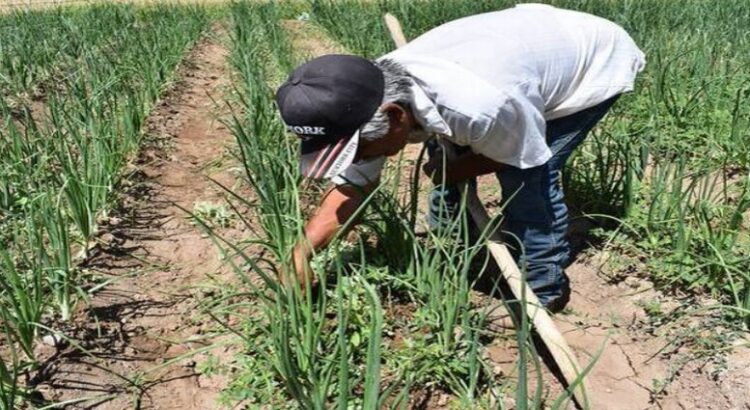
(515, 90)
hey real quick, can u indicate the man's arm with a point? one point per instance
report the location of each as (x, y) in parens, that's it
(468, 165)
(338, 205)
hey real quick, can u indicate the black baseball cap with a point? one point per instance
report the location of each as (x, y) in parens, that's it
(325, 101)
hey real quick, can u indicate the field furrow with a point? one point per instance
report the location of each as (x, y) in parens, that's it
(141, 331)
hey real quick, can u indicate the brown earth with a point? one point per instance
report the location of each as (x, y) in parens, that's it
(142, 333)
(635, 362)
(310, 40)
(638, 364)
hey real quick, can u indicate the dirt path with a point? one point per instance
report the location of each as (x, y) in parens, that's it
(638, 367)
(139, 330)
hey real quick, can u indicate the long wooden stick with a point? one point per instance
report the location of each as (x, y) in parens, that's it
(546, 329)
(543, 324)
(394, 27)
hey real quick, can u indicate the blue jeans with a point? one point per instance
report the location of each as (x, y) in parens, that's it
(535, 215)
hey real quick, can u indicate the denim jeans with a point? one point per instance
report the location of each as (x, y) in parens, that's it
(535, 219)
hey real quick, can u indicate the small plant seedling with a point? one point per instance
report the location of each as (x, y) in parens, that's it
(213, 214)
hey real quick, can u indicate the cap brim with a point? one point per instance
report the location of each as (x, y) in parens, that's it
(323, 159)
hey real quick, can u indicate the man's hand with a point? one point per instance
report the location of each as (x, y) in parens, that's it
(433, 168)
(468, 165)
(300, 267)
(338, 205)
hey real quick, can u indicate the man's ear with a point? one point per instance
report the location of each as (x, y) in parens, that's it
(396, 113)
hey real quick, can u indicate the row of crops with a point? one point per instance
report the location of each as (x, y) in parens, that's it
(665, 176)
(76, 85)
(336, 348)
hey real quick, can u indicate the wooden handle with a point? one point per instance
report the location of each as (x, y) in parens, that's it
(543, 324)
(546, 329)
(394, 27)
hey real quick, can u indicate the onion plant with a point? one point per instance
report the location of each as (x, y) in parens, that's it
(24, 301)
(60, 165)
(39, 48)
(10, 391)
(309, 354)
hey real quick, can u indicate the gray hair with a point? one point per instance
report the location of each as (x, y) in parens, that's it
(397, 90)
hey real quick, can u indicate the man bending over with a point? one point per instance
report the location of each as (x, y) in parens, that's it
(516, 91)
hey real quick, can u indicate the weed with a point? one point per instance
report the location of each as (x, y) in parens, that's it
(216, 214)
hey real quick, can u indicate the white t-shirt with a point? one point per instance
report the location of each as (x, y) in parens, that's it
(491, 81)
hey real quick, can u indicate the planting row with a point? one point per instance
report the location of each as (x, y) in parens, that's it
(39, 49)
(101, 70)
(392, 317)
(666, 174)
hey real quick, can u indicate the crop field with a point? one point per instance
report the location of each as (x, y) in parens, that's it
(150, 200)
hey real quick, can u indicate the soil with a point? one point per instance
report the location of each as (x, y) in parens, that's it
(638, 364)
(142, 332)
(310, 40)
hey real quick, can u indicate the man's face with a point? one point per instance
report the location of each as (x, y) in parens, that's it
(400, 123)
